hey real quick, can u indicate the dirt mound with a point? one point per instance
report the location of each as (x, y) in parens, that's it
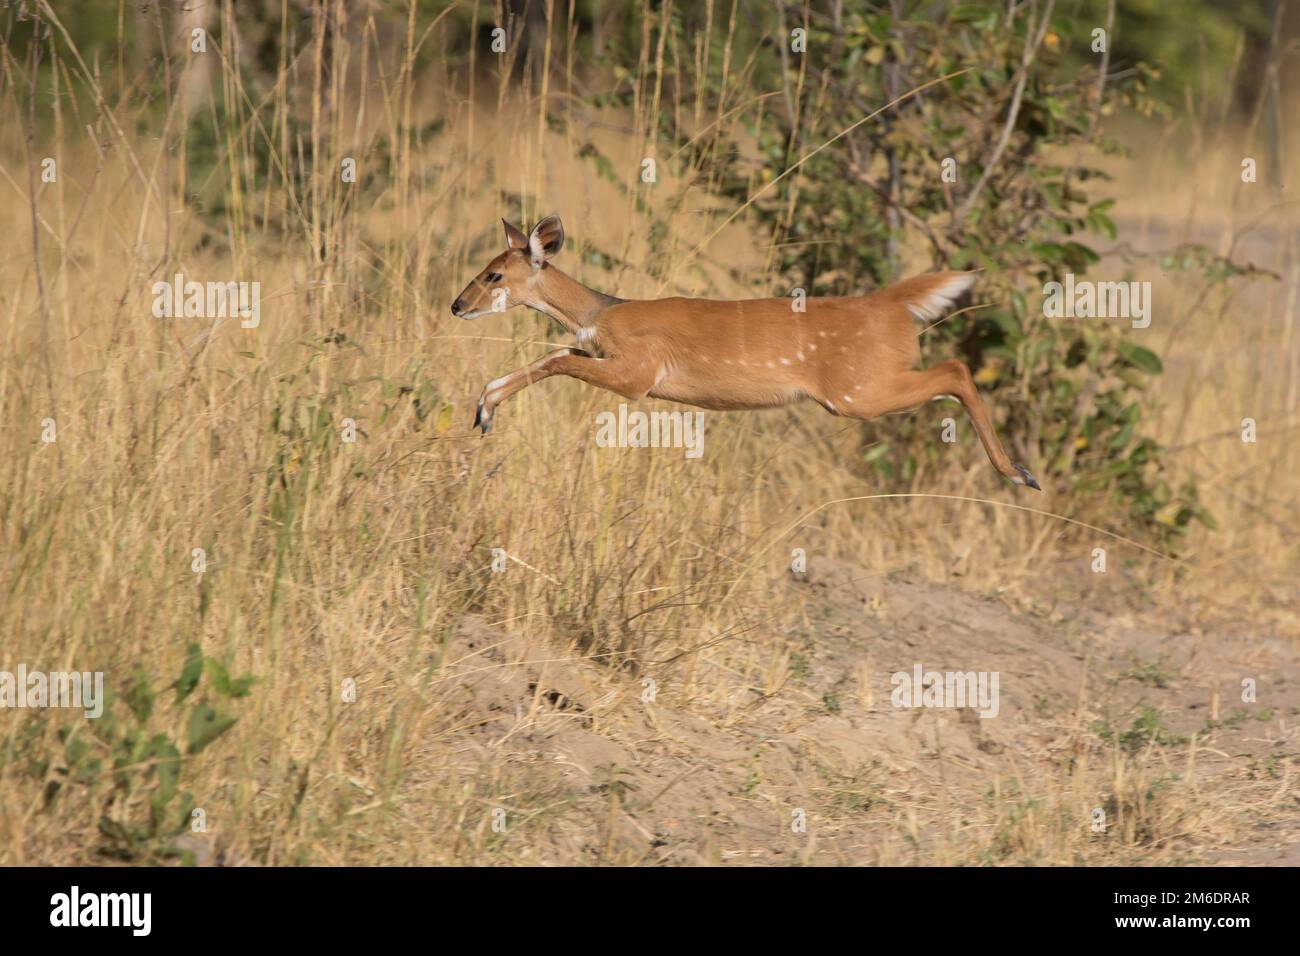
(1098, 741)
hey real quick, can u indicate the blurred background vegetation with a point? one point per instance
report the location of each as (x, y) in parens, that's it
(1025, 120)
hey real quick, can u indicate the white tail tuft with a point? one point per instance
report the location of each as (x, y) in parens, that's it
(928, 304)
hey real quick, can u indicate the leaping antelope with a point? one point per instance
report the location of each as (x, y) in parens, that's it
(854, 356)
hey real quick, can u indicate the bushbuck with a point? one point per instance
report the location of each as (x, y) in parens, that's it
(854, 355)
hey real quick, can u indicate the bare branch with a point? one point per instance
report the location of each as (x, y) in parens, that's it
(1033, 39)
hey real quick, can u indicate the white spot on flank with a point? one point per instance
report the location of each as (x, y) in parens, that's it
(848, 399)
(813, 347)
(799, 355)
(770, 365)
(785, 361)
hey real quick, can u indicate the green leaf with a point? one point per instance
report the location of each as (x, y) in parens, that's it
(224, 684)
(191, 671)
(1103, 223)
(139, 698)
(206, 725)
(1141, 358)
(1081, 255)
(168, 766)
(1121, 438)
(1206, 519)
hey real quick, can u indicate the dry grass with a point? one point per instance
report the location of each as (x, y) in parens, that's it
(372, 560)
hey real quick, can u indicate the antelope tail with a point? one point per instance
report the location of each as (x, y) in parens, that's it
(929, 296)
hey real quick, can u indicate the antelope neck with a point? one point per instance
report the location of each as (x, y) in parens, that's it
(566, 300)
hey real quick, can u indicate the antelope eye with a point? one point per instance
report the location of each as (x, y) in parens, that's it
(492, 277)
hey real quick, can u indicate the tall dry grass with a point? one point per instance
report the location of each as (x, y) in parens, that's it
(330, 560)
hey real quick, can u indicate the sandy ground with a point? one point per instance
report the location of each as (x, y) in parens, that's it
(1097, 711)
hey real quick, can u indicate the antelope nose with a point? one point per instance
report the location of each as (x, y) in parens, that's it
(457, 307)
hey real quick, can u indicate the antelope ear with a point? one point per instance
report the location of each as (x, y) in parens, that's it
(546, 240)
(515, 238)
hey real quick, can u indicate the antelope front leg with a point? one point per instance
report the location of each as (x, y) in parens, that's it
(498, 390)
(631, 379)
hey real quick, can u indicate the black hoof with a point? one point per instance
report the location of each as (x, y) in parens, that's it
(1030, 480)
(481, 421)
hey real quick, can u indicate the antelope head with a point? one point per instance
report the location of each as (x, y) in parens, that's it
(508, 279)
